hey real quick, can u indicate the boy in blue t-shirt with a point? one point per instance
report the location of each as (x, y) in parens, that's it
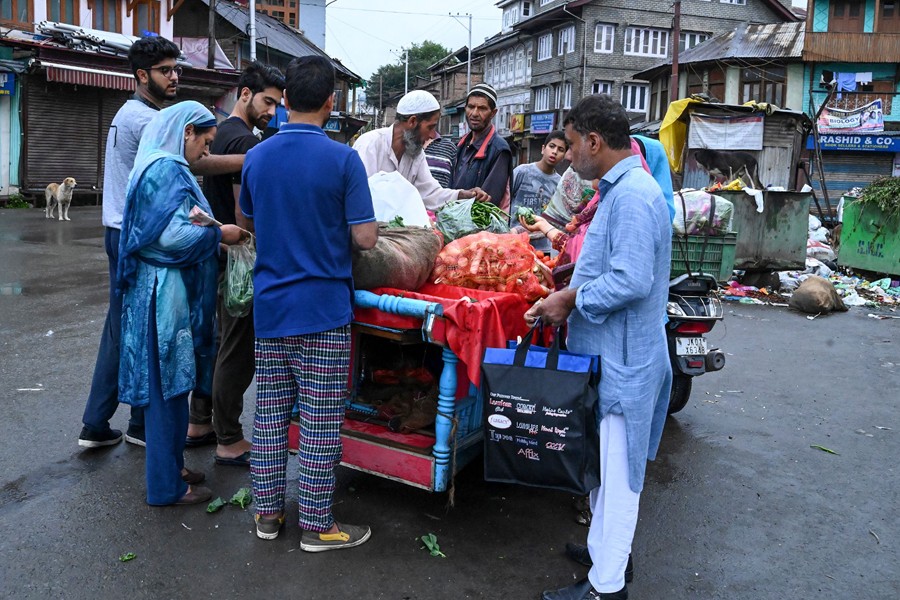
(308, 218)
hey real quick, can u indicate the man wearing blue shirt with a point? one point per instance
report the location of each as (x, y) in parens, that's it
(615, 307)
(308, 221)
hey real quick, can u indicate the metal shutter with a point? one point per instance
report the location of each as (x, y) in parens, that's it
(845, 170)
(61, 134)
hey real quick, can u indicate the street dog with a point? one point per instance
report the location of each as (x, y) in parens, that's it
(59, 194)
(723, 163)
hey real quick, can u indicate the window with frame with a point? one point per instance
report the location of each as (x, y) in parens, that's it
(145, 16)
(496, 70)
(520, 65)
(542, 98)
(106, 15)
(634, 97)
(604, 34)
(689, 39)
(647, 42)
(63, 11)
(511, 72)
(766, 84)
(526, 9)
(16, 11)
(503, 68)
(528, 54)
(557, 92)
(888, 20)
(659, 98)
(601, 86)
(292, 20)
(567, 96)
(566, 40)
(847, 16)
(488, 66)
(545, 47)
(278, 14)
(737, 2)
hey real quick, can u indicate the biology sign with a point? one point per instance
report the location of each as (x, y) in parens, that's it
(865, 119)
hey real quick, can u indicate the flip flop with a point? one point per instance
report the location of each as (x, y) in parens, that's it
(207, 439)
(238, 461)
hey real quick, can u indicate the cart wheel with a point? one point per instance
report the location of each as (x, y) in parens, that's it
(681, 391)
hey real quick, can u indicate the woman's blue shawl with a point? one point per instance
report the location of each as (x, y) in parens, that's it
(162, 253)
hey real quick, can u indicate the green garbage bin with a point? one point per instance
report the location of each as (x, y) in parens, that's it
(775, 239)
(870, 240)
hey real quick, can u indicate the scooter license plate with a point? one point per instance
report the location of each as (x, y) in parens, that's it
(689, 346)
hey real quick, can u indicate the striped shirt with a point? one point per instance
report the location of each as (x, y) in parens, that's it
(440, 155)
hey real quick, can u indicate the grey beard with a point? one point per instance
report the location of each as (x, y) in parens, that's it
(411, 144)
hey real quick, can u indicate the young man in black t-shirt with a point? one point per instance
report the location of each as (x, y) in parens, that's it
(218, 420)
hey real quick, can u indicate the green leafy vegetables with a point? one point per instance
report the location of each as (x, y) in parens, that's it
(525, 213)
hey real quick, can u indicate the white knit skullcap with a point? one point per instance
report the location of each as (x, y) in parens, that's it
(417, 102)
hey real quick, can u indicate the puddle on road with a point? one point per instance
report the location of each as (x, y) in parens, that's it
(11, 289)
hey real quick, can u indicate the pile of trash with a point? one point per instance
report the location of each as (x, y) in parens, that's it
(820, 263)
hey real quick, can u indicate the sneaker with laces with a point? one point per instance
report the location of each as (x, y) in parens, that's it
(268, 526)
(93, 439)
(348, 537)
(136, 436)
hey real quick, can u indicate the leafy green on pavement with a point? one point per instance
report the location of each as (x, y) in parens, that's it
(431, 544)
(215, 505)
(242, 497)
(128, 556)
(823, 449)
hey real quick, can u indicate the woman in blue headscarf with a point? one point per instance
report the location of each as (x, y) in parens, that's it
(167, 277)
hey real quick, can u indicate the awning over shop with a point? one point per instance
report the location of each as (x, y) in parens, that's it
(113, 80)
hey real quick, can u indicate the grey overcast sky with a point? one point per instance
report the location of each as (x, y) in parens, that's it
(365, 34)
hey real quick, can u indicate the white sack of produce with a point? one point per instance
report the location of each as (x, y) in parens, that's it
(393, 196)
(402, 259)
(700, 213)
(816, 295)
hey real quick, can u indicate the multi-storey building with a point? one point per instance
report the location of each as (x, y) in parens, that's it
(582, 47)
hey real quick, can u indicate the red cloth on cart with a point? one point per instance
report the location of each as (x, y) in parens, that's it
(489, 322)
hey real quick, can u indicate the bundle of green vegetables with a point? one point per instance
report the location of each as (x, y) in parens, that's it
(463, 217)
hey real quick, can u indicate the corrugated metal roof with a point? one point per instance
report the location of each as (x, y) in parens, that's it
(276, 35)
(747, 42)
(770, 40)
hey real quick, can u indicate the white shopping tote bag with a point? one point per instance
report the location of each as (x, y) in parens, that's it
(393, 195)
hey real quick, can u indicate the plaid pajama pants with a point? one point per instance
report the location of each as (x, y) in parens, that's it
(311, 369)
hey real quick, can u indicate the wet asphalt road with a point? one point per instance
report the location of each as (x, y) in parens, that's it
(737, 506)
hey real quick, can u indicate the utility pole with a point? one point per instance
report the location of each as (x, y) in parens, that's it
(211, 49)
(252, 30)
(469, 62)
(469, 53)
(676, 35)
(381, 95)
(406, 80)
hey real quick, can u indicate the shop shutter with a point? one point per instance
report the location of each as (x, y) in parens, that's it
(61, 134)
(846, 170)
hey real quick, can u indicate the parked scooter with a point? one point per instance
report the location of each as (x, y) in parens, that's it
(693, 310)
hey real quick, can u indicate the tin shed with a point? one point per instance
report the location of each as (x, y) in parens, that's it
(774, 138)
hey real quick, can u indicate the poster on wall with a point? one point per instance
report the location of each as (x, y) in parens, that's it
(726, 133)
(865, 119)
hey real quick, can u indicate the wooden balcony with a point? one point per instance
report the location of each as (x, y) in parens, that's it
(851, 47)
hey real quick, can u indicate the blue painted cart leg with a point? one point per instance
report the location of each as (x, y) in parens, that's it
(443, 425)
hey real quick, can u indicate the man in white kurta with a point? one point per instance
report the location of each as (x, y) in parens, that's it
(615, 308)
(400, 148)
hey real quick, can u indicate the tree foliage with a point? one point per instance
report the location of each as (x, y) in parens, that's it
(388, 80)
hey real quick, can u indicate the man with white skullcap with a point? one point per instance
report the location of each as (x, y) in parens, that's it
(400, 148)
(484, 159)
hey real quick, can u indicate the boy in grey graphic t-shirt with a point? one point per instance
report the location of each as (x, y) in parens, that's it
(533, 184)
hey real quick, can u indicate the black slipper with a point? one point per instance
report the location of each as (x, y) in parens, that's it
(238, 461)
(207, 439)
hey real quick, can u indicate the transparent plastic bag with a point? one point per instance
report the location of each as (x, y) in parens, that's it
(237, 294)
(456, 219)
